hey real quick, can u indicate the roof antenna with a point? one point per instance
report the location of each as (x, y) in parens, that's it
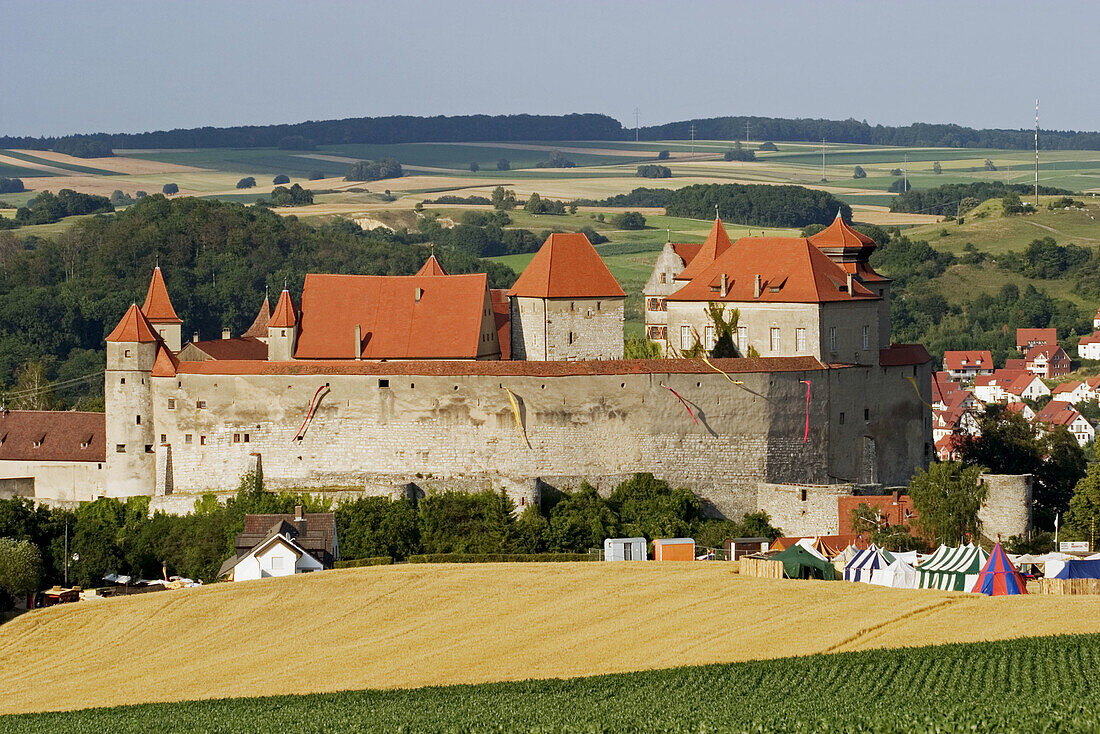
(158, 261)
(716, 212)
(284, 282)
(668, 235)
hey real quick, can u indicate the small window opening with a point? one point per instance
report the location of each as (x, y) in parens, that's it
(236, 438)
(246, 438)
(137, 420)
(163, 438)
(202, 440)
(842, 419)
(803, 495)
(171, 403)
(122, 381)
(126, 353)
(383, 383)
(187, 438)
(200, 404)
(120, 448)
(148, 448)
(866, 414)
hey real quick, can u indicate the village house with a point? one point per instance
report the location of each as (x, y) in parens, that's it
(1025, 387)
(283, 545)
(1089, 346)
(1028, 338)
(1059, 413)
(1074, 391)
(1047, 362)
(58, 454)
(1023, 409)
(966, 365)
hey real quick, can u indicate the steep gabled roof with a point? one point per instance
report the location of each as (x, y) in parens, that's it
(400, 317)
(284, 316)
(714, 247)
(567, 266)
(158, 306)
(431, 267)
(502, 316)
(1048, 351)
(791, 270)
(1057, 413)
(133, 327)
(165, 364)
(259, 325)
(243, 347)
(969, 359)
(60, 435)
(1036, 337)
(686, 251)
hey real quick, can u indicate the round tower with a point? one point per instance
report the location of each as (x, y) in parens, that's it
(128, 396)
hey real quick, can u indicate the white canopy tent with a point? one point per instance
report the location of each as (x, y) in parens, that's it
(898, 575)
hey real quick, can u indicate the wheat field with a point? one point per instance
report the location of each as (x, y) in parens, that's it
(416, 625)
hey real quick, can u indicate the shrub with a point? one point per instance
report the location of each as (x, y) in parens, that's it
(247, 182)
(474, 167)
(282, 178)
(652, 171)
(11, 186)
(768, 146)
(858, 172)
(629, 220)
(373, 170)
(504, 165)
(663, 155)
(557, 160)
(739, 155)
(360, 562)
(170, 188)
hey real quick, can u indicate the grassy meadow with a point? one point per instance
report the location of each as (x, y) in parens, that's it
(416, 625)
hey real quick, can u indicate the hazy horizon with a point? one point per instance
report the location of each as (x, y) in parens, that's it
(114, 67)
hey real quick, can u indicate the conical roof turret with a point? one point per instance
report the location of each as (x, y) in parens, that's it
(158, 306)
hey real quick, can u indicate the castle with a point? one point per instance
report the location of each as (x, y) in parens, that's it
(403, 384)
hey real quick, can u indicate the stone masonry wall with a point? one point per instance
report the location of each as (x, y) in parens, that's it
(802, 509)
(1007, 510)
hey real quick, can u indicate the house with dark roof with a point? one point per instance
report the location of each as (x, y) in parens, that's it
(283, 545)
(1060, 413)
(1047, 361)
(663, 281)
(56, 455)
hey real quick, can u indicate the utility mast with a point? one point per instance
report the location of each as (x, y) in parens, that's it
(1036, 154)
(823, 160)
(905, 175)
(635, 124)
(693, 140)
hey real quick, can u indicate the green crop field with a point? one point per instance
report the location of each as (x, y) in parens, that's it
(1045, 684)
(8, 170)
(75, 168)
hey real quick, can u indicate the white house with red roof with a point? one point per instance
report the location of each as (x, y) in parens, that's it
(1072, 392)
(1026, 387)
(1096, 320)
(1047, 361)
(966, 365)
(1023, 409)
(1060, 413)
(1089, 346)
(55, 455)
(1028, 338)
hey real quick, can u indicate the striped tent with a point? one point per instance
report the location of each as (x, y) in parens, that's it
(952, 569)
(860, 568)
(999, 577)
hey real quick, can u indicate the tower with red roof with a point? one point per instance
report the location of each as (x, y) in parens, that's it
(566, 305)
(160, 313)
(132, 350)
(282, 330)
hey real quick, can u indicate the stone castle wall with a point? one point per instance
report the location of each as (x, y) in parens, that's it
(567, 329)
(382, 433)
(1007, 510)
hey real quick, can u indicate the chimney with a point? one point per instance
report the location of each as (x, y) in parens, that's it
(195, 337)
(418, 293)
(225, 333)
(725, 285)
(298, 514)
(756, 287)
(851, 280)
(358, 342)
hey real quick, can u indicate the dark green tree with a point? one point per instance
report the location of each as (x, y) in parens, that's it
(581, 520)
(474, 167)
(282, 178)
(948, 498)
(858, 172)
(247, 182)
(170, 188)
(504, 165)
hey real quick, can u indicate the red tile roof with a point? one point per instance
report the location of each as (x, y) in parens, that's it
(716, 244)
(519, 368)
(284, 316)
(899, 355)
(259, 325)
(158, 306)
(1020, 383)
(567, 266)
(840, 234)
(61, 435)
(1091, 339)
(1057, 413)
(687, 251)
(1016, 364)
(1036, 337)
(791, 270)
(1051, 352)
(944, 388)
(980, 359)
(431, 267)
(503, 318)
(1065, 387)
(133, 327)
(245, 347)
(165, 364)
(400, 317)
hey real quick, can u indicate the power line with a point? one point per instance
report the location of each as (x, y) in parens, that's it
(51, 386)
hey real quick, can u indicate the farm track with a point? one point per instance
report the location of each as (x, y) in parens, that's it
(415, 625)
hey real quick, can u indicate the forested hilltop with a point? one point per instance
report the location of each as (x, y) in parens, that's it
(591, 126)
(60, 298)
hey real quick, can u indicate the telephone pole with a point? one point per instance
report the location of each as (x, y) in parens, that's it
(823, 160)
(693, 140)
(1036, 154)
(635, 124)
(905, 175)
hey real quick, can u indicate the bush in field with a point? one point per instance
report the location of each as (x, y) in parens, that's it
(373, 170)
(629, 220)
(247, 182)
(170, 188)
(282, 178)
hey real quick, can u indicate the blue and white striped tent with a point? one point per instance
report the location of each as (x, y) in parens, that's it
(866, 562)
(952, 569)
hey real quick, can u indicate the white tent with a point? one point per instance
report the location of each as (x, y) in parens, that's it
(898, 575)
(808, 544)
(860, 568)
(909, 557)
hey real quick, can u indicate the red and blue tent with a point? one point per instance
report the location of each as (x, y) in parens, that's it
(999, 577)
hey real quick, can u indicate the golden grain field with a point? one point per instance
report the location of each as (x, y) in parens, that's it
(416, 625)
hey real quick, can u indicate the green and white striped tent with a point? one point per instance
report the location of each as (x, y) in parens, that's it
(952, 569)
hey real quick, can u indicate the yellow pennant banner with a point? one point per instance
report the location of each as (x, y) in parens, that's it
(735, 382)
(913, 382)
(519, 421)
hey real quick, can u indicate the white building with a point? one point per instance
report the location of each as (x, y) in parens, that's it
(624, 549)
(277, 555)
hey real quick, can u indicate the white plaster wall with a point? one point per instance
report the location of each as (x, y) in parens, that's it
(66, 481)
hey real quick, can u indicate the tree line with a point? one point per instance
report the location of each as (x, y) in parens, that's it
(379, 130)
(757, 205)
(123, 537)
(951, 199)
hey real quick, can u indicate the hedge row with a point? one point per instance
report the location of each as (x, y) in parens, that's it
(497, 557)
(371, 561)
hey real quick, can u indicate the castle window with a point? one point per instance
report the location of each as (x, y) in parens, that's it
(662, 277)
(126, 353)
(246, 438)
(866, 336)
(282, 332)
(163, 438)
(187, 438)
(202, 440)
(236, 438)
(800, 340)
(866, 414)
(742, 337)
(842, 418)
(120, 448)
(774, 341)
(598, 304)
(200, 404)
(171, 403)
(685, 337)
(122, 381)
(710, 336)
(137, 420)
(383, 383)
(148, 448)
(803, 495)
(832, 339)
(570, 337)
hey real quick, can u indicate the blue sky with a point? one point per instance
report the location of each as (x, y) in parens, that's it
(126, 67)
